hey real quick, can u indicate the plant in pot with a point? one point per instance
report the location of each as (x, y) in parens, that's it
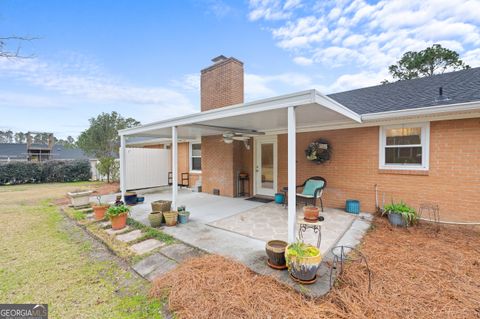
(303, 261)
(400, 214)
(311, 213)
(118, 216)
(170, 218)
(100, 209)
(80, 198)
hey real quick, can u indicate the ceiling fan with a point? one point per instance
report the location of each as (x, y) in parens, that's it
(229, 137)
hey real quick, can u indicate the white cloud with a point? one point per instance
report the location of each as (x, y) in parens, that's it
(82, 78)
(272, 9)
(367, 37)
(262, 86)
(301, 60)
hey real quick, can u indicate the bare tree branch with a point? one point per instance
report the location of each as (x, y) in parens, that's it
(14, 53)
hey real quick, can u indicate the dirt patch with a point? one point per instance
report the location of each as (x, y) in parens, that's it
(421, 272)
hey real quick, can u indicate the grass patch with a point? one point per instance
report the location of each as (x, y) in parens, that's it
(150, 232)
(47, 260)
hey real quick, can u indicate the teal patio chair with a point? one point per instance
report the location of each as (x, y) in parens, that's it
(312, 189)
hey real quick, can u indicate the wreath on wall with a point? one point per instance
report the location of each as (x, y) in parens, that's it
(318, 151)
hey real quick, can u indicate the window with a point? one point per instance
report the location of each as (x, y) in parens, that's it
(195, 157)
(404, 146)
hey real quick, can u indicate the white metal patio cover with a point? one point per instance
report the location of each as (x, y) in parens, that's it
(286, 113)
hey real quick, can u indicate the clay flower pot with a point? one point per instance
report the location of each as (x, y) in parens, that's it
(99, 211)
(275, 250)
(170, 218)
(155, 219)
(119, 222)
(311, 213)
(161, 205)
(80, 199)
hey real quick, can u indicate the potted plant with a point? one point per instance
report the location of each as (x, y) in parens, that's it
(171, 217)
(155, 218)
(80, 198)
(100, 209)
(303, 261)
(183, 216)
(275, 250)
(311, 213)
(400, 214)
(118, 216)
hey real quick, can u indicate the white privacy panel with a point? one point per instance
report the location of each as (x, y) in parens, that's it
(147, 167)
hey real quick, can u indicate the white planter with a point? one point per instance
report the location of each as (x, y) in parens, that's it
(80, 199)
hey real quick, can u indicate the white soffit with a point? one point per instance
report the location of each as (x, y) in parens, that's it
(312, 108)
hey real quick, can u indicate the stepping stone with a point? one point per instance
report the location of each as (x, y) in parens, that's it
(146, 246)
(154, 266)
(130, 236)
(90, 216)
(105, 224)
(180, 252)
(84, 210)
(119, 231)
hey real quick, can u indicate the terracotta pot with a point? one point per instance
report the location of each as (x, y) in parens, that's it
(170, 218)
(275, 250)
(311, 213)
(303, 268)
(119, 222)
(155, 219)
(99, 211)
(161, 205)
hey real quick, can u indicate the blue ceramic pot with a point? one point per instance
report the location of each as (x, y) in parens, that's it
(397, 220)
(183, 217)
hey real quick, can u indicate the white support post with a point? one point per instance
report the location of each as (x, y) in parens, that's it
(123, 167)
(174, 167)
(292, 176)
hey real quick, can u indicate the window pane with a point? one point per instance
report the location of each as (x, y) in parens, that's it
(196, 150)
(403, 155)
(404, 136)
(196, 164)
(267, 165)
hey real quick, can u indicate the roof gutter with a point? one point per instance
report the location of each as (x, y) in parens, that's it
(423, 111)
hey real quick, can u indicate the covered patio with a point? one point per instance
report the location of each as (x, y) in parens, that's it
(289, 114)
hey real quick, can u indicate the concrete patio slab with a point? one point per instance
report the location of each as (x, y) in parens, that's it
(181, 252)
(153, 266)
(204, 208)
(146, 246)
(130, 236)
(269, 222)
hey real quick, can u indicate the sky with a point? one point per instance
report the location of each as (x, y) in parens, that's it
(143, 58)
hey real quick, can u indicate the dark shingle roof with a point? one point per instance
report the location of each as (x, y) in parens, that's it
(458, 87)
(19, 151)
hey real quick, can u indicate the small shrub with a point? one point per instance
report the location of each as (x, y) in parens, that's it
(408, 213)
(44, 172)
(117, 210)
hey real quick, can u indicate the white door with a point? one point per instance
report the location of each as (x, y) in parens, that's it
(266, 165)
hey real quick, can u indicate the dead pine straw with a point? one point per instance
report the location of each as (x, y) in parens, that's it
(417, 273)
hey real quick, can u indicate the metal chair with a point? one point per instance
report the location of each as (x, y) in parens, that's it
(317, 192)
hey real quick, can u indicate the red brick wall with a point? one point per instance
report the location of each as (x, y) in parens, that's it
(221, 84)
(453, 179)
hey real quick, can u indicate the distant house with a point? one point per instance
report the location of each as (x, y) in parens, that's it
(38, 153)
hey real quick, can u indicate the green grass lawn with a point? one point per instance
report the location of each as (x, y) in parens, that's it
(47, 259)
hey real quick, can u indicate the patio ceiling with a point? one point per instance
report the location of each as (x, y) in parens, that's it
(269, 116)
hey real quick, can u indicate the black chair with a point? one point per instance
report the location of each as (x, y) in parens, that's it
(317, 192)
(184, 180)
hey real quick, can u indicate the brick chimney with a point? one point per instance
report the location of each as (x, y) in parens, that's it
(221, 84)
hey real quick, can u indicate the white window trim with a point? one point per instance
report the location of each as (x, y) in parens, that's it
(190, 156)
(425, 142)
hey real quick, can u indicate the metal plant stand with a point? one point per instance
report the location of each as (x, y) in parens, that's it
(303, 225)
(342, 254)
(430, 211)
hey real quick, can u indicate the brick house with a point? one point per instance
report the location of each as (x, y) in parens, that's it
(416, 141)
